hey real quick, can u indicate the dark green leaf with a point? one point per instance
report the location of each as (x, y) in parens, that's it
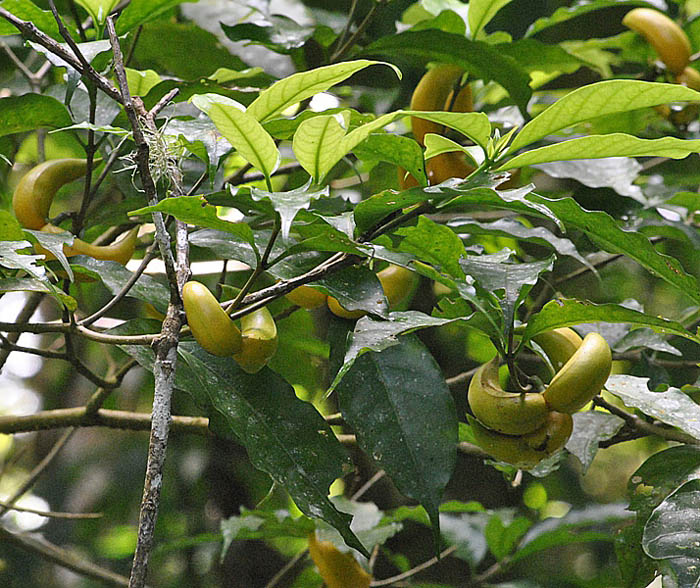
(275, 31)
(29, 112)
(508, 282)
(565, 13)
(481, 60)
(404, 417)
(27, 10)
(566, 312)
(672, 533)
(435, 244)
(356, 288)
(195, 210)
(139, 12)
(590, 428)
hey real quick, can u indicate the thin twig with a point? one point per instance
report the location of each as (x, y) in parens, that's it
(52, 514)
(62, 557)
(643, 426)
(61, 418)
(368, 484)
(413, 571)
(286, 568)
(37, 471)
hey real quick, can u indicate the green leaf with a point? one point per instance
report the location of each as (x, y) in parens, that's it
(283, 435)
(606, 97)
(438, 144)
(194, 210)
(591, 427)
(318, 143)
(507, 227)
(242, 130)
(89, 49)
(98, 9)
(480, 59)
(594, 523)
(509, 283)
(115, 276)
(404, 417)
(600, 227)
(274, 31)
(300, 86)
(534, 56)
(503, 537)
(27, 10)
(401, 151)
(287, 204)
(54, 243)
(672, 407)
(139, 12)
(672, 533)
(565, 13)
(140, 82)
(11, 258)
(376, 335)
(466, 531)
(474, 125)
(356, 288)
(568, 312)
(600, 146)
(29, 112)
(435, 244)
(480, 14)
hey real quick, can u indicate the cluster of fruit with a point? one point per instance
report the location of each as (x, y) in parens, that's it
(436, 92)
(32, 200)
(524, 428)
(252, 346)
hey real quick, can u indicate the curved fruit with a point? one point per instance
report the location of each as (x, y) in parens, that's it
(511, 413)
(559, 345)
(528, 450)
(430, 94)
(662, 33)
(582, 376)
(553, 435)
(452, 164)
(397, 283)
(462, 103)
(689, 77)
(259, 340)
(209, 323)
(120, 251)
(338, 569)
(306, 297)
(335, 307)
(35, 191)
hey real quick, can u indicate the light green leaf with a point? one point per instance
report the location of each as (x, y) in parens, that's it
(29, 112)
(98, 9)
(438, 144)
(298, 87)
(138, 12)
(607, 97)
(480, 14)
(600, 146)
(672, 407)
(140, 82)
(317, 143)
(474, 125)
(241, 129)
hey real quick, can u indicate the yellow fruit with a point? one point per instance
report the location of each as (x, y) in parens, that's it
(306, 297)
(430, 94)
(689, 77)
(525, 451)
(120, 251)
(259, 340)
(36, 190)
(397, 283)
(582, 377)
(662, 33)
(559, 345)
(335, 307)
(209, 323)
(510, 413)
(338, 569)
